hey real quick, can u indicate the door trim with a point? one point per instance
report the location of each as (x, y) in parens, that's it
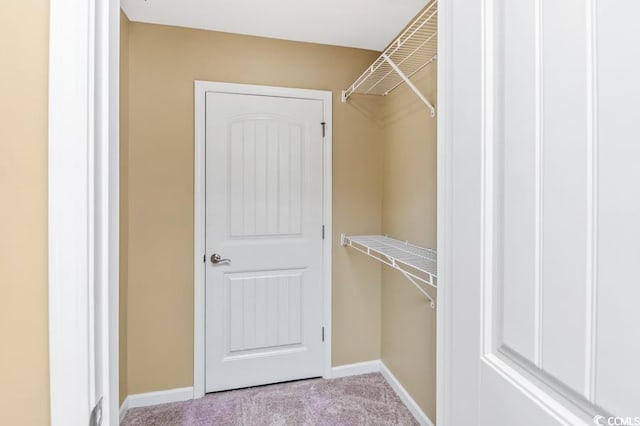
(83, 209)
(444, 214)
(200, 90)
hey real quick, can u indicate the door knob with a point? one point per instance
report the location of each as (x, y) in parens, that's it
(216, 259)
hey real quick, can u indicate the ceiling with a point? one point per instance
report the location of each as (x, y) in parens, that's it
(366, 24)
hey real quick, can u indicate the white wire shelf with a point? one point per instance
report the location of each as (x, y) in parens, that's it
(418, 264)
(415, 48)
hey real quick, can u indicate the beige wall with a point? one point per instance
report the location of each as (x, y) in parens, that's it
(124, 201)
(24, 372)
(164, 62)
(409, 213)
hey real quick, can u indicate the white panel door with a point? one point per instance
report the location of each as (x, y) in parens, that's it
(264, 175)
(543, 213)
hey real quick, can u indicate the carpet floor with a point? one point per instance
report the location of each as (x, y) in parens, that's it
(365, 400)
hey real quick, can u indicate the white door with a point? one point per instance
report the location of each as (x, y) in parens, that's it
(264, 211)
(542, 212)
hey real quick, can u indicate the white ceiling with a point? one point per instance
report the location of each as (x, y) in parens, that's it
(366, 24)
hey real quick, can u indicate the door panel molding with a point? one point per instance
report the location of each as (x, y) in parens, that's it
(591, 291)
(200, 90)
(522, 372)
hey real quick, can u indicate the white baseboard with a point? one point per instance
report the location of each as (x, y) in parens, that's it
(376, 366)
(155, 398)
(355, 369)
(404, 396)
(160, 397)
(123, 409)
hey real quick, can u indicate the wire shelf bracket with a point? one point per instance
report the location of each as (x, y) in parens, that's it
(417, 264)
(415, 48)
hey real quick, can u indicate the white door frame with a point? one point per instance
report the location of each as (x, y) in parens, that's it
(200, 90)
(444, 214)
(72, 52)
(83, 210)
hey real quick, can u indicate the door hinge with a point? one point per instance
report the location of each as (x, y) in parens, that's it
(204, 258)
(324, 128)
(323, 232)
(323, 334)
(95, 418)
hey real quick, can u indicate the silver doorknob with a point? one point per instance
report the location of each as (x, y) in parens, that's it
(216, 259)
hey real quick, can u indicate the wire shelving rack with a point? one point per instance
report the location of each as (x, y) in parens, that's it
(415, 48)
(418, 264)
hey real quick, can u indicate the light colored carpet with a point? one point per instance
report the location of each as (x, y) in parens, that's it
(358, 400)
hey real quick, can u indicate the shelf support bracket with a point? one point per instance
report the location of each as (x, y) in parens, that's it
(409, 83)
(418, 286)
